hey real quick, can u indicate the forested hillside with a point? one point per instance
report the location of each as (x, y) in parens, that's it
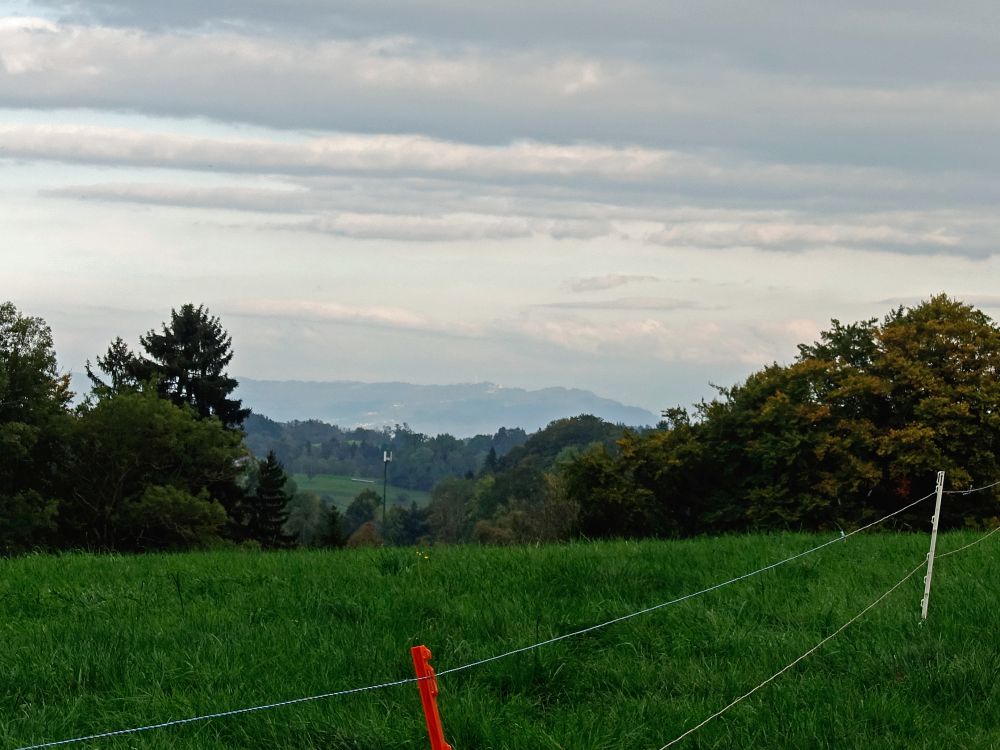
(418, 461)
(156, 457)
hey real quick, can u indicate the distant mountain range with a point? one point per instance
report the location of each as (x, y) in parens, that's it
(461, 410)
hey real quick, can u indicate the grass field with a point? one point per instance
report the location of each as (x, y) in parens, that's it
(100, 643)
(342, 490)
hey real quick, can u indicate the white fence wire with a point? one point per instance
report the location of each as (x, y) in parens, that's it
(540, 644)
(972, 489)
(791, 664)
(843, 627)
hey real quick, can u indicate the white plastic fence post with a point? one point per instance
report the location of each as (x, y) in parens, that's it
(930, 555)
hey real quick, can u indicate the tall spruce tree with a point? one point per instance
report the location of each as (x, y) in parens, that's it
(188, 360)
(333, 535)
(264, 511)
(121, 368)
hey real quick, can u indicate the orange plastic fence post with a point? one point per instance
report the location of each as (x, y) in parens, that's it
(428, 696)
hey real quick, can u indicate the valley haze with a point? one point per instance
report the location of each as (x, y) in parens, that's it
(462, 410)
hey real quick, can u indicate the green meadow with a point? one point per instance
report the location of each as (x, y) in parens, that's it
(342, 490)
(96, 643)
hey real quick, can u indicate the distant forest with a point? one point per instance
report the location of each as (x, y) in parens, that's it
(418, 461)
(856, 427)
(159, 455)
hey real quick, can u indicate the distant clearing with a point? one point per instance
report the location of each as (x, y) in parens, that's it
(342, 490)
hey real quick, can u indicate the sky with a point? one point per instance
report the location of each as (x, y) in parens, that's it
(637, 198)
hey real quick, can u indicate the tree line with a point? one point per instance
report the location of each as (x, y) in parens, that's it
(153, 458)
(856, 426)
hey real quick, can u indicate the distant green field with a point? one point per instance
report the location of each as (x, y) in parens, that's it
(95, 643)
(342, 490)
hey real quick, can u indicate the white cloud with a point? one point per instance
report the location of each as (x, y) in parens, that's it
(696, 340)
(796, 235)
(334, 153)
(587, 181)
(848, 39)
(633, 338)
(256, 76)
(334, 312)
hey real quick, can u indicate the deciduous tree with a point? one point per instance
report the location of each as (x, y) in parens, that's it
(361, 511)
(141, 475)
(33, 426)
(856, 426)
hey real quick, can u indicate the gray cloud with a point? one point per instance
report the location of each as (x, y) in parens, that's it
(591, 181)
(380, 205)
(266, 200)
(708, 90)
(976, 300)
(846, 40)
(607, 281)
(801, 158)
(447, 227)
(649, 304)
(793, 233)
(355, 219)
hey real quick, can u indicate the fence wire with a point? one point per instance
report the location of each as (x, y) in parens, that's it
(221, 714)
(972, 489)
(980, 540)
(480, 662)
(685, 597)
(843, 627)
(791, 664)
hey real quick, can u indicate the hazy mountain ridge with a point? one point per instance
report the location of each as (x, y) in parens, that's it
(463, 410)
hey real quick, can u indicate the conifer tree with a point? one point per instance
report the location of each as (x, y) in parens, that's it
(491, 463)
(188, 358)
(120, 367)
(186, 362)
(264, 512)
(334, 535)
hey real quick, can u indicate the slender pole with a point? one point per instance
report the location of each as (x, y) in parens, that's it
(930, 555)
(385, 484)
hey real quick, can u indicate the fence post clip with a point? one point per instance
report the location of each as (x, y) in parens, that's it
(427, 682)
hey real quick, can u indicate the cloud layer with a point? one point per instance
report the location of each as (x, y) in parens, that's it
(774, 98)
(500, 191)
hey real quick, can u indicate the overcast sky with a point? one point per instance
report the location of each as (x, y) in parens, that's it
(636, 198)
